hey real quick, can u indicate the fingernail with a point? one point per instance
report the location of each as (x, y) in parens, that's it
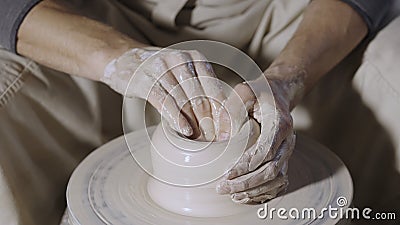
(187, 130)
(241, 198)
(236, 197)
(207, 127)
(222, 188)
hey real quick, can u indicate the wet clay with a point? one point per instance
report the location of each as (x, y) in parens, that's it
(187, 171)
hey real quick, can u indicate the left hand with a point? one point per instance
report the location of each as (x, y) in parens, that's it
(261, 172)
(180, 84)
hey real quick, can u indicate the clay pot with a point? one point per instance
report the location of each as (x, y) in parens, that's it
(186, 171)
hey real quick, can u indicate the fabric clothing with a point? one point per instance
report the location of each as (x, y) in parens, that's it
(354, 112)
(49, 120)
(41, 142)
(12, 13)
(372, 11)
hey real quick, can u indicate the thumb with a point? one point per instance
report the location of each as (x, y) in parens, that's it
(235, 111)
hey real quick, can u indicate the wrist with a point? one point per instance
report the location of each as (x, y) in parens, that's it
(288, 81)
(126, 62)
(107, 50)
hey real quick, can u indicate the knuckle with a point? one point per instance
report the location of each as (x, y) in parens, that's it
(157, 59)
(178, 58)
(183, 56)
(202, 106)
(175, 53)
(195, 54)
(243, 90)
(286, 121)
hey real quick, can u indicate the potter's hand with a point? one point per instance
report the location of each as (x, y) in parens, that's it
(261, 172)
(169, 79)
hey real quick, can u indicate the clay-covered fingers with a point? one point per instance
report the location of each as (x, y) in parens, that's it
(262, 192)
(182, 67)
(154, 83)
(274, 130)
(275, 127)
(235, 112)
(265, 173)
(174, 77)
(266, 196)
(164, 76)
(169, 110)
(212, 86)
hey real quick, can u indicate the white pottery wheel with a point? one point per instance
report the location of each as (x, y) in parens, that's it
(109, 187)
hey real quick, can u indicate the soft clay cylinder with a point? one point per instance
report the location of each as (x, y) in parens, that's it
(185, 172)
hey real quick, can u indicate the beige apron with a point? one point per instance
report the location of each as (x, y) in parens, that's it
(49, 120)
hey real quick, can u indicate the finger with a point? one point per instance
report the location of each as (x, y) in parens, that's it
(224, 127)
(242, 166)
(267, 196)
(275, 128)
(211, 85)
(248, 180)
(168, 109)
(285, 165)
(168, 81)
(267, 172)
(267, 116)
(240, 100)
(183, 69)
(266, 189)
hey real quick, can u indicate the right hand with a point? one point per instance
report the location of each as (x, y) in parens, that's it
(261, 172)
(180, 84)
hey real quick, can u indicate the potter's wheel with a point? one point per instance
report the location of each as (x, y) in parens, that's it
(109, 187)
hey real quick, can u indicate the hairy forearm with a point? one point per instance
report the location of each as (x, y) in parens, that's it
(54, 36)
(329, 31)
